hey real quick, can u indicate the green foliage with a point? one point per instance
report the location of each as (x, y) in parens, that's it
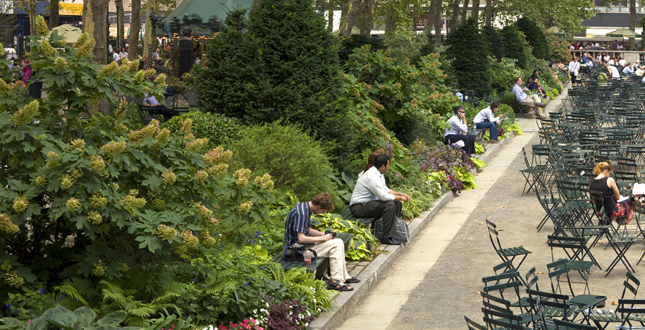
(478, 163)
(466, 177)
(423, 189)
(513, 128)
(503, 73)
(358, 41)
(509, 99)
(217, 128)
(362, 244)
(391, 98)
(82, 318)
(131, 120)
(296, 161)
(468, 50)
(534, 36)
(558, 48)
(283, 67)
(515, 46)
(494, 42)
(479, 149)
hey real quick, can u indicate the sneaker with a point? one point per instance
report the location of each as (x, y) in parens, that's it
(493, 141)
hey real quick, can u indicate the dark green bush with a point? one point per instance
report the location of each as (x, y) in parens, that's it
(358, 41)
(295, 160)
(515, 45)
(467, 48)
(284, 66)
(494, 41)
(535, 37)
(219, 129)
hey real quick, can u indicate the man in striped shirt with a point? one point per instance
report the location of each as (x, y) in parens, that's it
(298, 231)
(372, 198)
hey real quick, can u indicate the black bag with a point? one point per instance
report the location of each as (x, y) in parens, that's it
(296, 254)
(402, 231)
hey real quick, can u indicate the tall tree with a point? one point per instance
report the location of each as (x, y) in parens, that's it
(632, 23)
(475, 11)
(488, 21)
(464, 12)
(365, 18)
(135, 27)
(470, 61)
(120, 26)
(455, 15)
(33, 11)
(149, 43)
(95, 23)
(351, 9)
(438, 21)
(54, 9)
(566, 14)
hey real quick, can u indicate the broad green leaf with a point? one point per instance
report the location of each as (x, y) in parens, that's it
(114, 318)
(85, 315)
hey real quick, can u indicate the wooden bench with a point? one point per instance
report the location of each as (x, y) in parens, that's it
(347, 215)
(320, 266)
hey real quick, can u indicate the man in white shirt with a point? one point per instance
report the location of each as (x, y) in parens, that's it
(486, 119)
(613, 72)
(372, 198)
(458, 131)
(530, 100)
(116, 57)
(628, 70)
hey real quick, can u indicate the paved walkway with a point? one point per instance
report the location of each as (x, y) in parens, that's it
(436, 280)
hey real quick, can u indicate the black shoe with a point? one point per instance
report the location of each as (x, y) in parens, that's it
(391, 241)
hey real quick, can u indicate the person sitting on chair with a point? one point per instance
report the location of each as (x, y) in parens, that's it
(486, 119)
(531, 100)
(159, 107)
(298, 231)
(612, 203)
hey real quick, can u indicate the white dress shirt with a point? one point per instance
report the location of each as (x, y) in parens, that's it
(370, 187)
(485, 114)
(520, 95)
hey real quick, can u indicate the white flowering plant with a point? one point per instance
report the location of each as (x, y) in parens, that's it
(82, 195)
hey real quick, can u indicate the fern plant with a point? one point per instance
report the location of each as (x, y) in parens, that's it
(361, 245)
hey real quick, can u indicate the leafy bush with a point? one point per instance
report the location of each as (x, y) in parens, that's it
(503, 73)
(217, 128)
(558, 48)
(296, 161)
(358, 41)
(515, 46)
(283, 67)
(362, 243)
(468, 50)
(494, 42)
(62, 318)
(423, 189)
(534, 36)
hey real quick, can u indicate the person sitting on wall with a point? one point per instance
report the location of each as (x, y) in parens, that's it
(530, 100)
(458, 131)
(298, 231)
(486, 119)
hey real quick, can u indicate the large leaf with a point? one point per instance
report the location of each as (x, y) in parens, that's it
(61, 317)
(85, 315)
(113, 318)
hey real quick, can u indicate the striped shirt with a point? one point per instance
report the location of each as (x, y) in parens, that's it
(298, 221)
(370, 187)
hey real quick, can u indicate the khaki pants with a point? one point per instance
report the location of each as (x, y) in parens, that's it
(334, 250)
(532, 100)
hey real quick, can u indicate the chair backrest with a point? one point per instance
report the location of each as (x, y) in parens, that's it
(472, 325)
(548, 304)
(560, 324)
(497, 313)
(493, 235)
(559, 272)
(630, 284)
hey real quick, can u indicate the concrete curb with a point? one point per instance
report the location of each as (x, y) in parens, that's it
(373, 272)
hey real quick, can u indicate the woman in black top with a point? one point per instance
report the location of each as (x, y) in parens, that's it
(534, 84)
(606, 185)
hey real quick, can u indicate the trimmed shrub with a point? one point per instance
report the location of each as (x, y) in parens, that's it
(217, 128)
(495, 43)
(467, 48)
(296, 161)
(283, 67)
(515, 46)
(534, 36)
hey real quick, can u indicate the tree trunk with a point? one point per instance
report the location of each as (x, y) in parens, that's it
(330, 19)
(135, 27)
(99, 12)
(475, 11)
(149, 44)
(464, 11)
(120, 27)
(32, 17)
(430, 19)
(349, 19)
(438, 23)
(489, 13)
(632, 23)
(53, 13)
(366, 18)
(455, 15)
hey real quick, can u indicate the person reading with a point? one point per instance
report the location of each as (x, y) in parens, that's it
(486, 119)
(614, 205)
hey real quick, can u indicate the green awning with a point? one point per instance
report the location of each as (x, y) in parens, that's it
(207, 8)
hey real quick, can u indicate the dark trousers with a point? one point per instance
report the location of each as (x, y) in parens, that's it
(386, 210)
(162, 110)
(469, 142)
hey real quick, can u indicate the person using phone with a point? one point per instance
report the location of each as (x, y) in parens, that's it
(486, 119)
